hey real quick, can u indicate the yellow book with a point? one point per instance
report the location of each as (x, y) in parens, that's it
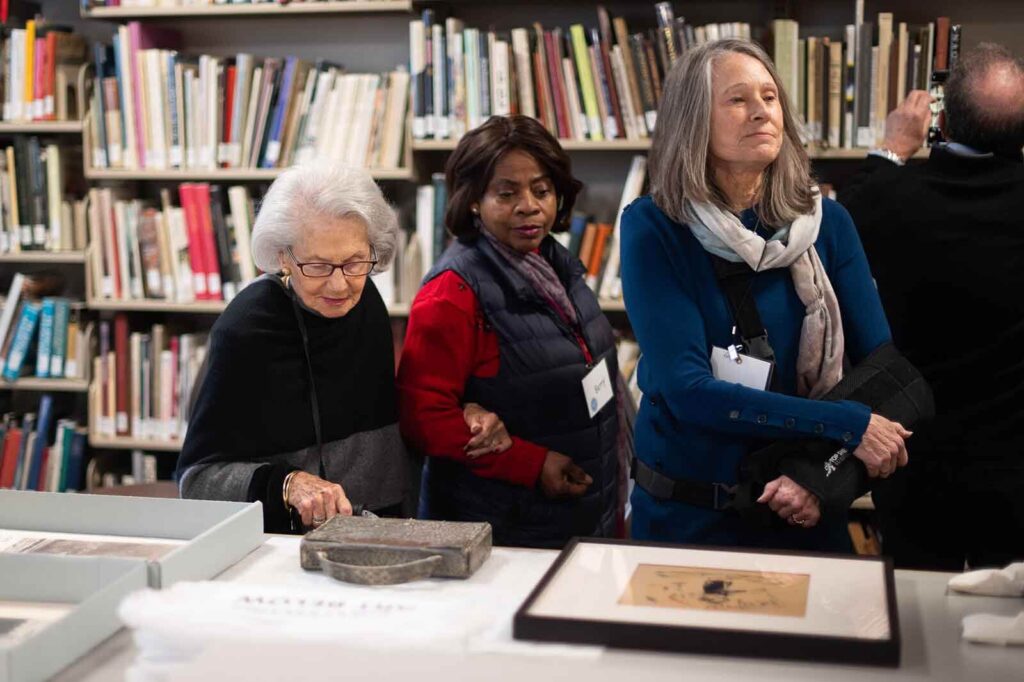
(30, 68)
(586, 78)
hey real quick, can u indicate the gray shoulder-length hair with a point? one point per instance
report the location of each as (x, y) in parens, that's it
(305, 192)
(679, 160)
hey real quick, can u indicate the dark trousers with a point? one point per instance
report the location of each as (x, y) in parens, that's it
(945, 515)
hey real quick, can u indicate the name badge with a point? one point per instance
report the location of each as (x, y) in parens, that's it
(738, 368)
(597, 388)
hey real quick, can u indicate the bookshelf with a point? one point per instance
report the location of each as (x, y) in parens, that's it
(46, 385)
(46, 257)
(219, 175)
(102, 442)
(42, 128)
(373, 35)
(250, 10)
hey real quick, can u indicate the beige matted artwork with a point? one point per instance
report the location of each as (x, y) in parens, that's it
(715, 589)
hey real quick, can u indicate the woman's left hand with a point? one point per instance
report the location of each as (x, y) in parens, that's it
(791, 502)
(489, 433)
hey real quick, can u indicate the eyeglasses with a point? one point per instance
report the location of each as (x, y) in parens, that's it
(355, 268)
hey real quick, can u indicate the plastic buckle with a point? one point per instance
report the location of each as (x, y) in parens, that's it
(721, 490)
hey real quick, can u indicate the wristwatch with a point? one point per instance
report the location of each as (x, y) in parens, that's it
(889, 155)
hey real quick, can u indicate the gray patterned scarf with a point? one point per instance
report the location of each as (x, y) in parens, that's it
(536, 270)
(819, 364)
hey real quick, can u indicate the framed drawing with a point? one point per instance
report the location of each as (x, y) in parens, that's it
(736, 602)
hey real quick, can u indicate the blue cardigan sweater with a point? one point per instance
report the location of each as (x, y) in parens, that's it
(691, 425)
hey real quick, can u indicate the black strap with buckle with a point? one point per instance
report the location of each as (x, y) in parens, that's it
(717, 496)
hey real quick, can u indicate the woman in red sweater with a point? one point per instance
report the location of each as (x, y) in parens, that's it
(505, 320)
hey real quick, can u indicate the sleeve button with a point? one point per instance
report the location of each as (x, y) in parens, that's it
(819, 428)
(762, 419)
(790, 423)
(847, 437)
(734, 415)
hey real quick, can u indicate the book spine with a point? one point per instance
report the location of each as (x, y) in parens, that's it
(45, 343)
(23, 334)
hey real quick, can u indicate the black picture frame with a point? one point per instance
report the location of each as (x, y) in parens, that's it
(703, 640)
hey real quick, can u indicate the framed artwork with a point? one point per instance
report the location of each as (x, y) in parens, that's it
(737, 602)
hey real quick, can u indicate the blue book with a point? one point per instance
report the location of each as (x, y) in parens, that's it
(42, 433)
(23, 334)
(27, 424)
(273, 150)
(99, 51)
(45, 345)
(577, 226)
(75, 454)
(59, 346)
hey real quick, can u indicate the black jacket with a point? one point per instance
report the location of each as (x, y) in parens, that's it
(538, 394)
(945, 240)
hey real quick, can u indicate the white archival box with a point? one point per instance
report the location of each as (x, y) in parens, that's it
(214, 535)
(89, 589)
(202, 538)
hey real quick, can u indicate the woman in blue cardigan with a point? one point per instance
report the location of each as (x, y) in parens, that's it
(731, 184)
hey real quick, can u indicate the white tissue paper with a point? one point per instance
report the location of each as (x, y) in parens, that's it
(985, 628)
(991, 582)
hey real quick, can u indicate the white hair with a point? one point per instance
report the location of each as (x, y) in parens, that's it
(321, 189)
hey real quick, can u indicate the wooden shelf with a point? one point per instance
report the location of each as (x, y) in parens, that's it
(43, 257)
(203, 307)
(219, 174)
(38, 384)
(568, 145)
(42, 127)
(644, 145)
(242, 10)
(121, 443)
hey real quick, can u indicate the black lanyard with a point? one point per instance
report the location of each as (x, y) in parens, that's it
(312, 385)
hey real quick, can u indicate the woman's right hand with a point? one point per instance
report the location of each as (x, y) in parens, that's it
(883, 448)
(315, 499)
(561, 477)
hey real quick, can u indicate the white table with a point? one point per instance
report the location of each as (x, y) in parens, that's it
(929, 620)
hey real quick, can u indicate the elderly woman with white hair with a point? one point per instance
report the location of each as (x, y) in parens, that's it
(745, 289)
(297, 405)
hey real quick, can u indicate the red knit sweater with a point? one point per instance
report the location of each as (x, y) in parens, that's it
(446, 343)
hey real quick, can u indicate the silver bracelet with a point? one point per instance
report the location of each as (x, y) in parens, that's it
(889, 155)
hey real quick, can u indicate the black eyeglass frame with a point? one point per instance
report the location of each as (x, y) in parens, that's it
(302, 266)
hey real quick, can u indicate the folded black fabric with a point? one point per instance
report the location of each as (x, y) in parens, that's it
(887, 383)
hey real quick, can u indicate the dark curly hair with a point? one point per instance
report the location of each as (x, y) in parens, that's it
(470, 168)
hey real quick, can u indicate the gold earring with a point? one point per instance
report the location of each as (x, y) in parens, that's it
(286, 276)
(475, 211)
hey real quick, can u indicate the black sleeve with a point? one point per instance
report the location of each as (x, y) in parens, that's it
(850, 193)
(266, 487)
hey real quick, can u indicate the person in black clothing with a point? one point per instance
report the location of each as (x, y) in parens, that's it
(296, 407)
(945, 239)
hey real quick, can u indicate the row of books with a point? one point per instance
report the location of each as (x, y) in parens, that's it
(198, 251)
(143, 381)
(37, 213)
(36, 455)
(39, 73)
(90, 4)
(155, 108)
(583, 83)
(43, 338)
(103, 473)
(844, 86)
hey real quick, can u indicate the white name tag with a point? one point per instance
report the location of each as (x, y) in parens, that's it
(597, 388)
(741, 369)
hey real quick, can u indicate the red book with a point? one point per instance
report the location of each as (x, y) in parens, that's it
(201, 199)
(43, 470)
(229, 102)
(197, 260)
(9, 458)
(50, 74)
(942, 26)
(122, 355)
(554, 61)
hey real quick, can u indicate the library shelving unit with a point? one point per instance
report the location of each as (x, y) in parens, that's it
(425, 155)
(48, 257)
(249, 10)
(46, 385)
(42, 128)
